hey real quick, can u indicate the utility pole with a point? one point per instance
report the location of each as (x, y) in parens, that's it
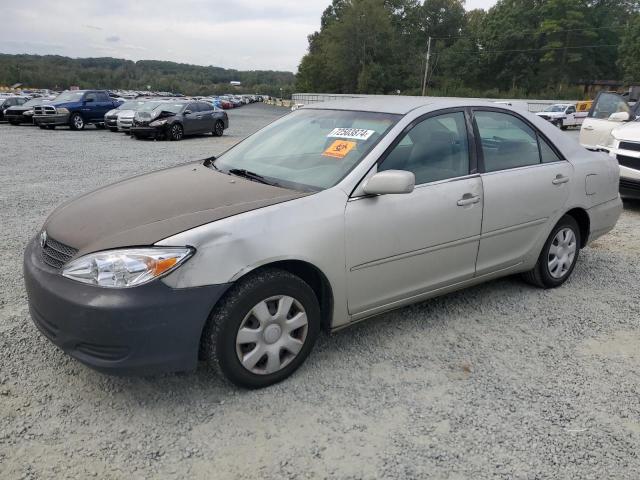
(426, 68)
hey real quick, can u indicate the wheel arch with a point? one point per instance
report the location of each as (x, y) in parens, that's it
(313, 276)
(581, 216)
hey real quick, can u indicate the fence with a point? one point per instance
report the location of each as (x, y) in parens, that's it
(309, 98)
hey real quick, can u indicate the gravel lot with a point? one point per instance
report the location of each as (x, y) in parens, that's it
(498, 381)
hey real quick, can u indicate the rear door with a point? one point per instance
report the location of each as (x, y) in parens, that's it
(597, 127)
(102, 106)
(525, 182)
(206, 117)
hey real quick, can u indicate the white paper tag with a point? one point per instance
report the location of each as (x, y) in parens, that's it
(355, 133)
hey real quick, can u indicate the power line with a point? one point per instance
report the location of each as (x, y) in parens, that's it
(535, 32)
(449, 51)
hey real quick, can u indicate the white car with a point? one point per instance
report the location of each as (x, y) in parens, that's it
(563, 115)
(613, 126)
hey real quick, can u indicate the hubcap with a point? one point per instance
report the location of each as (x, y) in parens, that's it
(177, 133)
(562, 253)
(78, 121)
(272, 334)
(219, 129)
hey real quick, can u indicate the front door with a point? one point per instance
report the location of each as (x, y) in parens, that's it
(191, 119)
(403, 245)
(525, 183)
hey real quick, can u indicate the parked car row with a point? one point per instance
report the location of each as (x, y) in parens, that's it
(157, 118)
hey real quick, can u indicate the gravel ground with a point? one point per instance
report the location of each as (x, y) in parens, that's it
(497, 381)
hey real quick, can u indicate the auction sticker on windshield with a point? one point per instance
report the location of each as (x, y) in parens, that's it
(339, 149)
(355, 133)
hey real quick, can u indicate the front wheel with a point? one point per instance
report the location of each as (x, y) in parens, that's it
(263, 329)
(42, 127)
(176, 132)
(76, 122)
(218, 130)
(558, 257)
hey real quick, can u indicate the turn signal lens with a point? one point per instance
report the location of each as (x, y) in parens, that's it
(127, 267)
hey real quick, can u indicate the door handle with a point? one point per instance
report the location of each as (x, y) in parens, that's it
(468, 199)
(588, 128)
(559, 180)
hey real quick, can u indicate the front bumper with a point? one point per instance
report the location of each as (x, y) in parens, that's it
(17, 118)
(142, 330)
(56, 119)
(147, 132)
(630, 187)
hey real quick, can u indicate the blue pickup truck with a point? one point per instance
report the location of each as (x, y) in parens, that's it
(75, 108)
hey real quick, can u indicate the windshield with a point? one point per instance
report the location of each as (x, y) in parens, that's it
(309, 149)
(69, 96)
(555, 108)
(131, 105)
(170, 107)
(148, 106)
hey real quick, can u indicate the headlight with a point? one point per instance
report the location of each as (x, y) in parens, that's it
(126, 267)
(28, 113)
(158, 123)
(62, 110)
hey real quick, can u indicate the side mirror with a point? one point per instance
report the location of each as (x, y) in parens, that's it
(390, 181)
(620, 117)
(187, 112)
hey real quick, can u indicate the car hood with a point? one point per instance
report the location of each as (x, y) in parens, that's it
(125, 113)
(148, 208)
(629, 131)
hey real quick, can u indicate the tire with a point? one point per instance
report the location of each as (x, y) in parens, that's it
(218, 129)
(51, 127)
(113, 129)
(133, 135)
(42, 127)
(14, 123)
(543, 275)
(76, 122)
(100, 126)
(176, 132)
(223, 349)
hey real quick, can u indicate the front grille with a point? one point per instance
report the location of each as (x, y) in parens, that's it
(629, 162)
(630, 146)
(630, 184)
(56, 254)
(44, 110)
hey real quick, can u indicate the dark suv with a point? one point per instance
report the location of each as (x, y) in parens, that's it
(174, 120)
(8, 102)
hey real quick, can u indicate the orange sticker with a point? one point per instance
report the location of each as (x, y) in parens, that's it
(339, 149)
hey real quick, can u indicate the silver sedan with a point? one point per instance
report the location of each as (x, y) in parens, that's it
(333, 214)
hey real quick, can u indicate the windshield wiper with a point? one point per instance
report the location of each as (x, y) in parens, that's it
(241, 172)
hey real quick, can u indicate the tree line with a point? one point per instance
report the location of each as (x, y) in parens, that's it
(57, 72)
(518, 48)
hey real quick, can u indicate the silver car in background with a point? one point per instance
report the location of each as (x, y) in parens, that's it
(128, 108)
(332, 214)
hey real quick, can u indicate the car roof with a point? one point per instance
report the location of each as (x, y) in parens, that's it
(399, 104)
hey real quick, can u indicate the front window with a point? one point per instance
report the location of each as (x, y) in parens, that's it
(309, 149)
(555, 108)
(69, 96)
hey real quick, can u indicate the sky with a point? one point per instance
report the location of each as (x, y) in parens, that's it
(240, 34)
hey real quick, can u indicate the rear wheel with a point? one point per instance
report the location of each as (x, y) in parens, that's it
(218, 130)
(76, 122)
(176, 132)
(559, 255)
(263, 329)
